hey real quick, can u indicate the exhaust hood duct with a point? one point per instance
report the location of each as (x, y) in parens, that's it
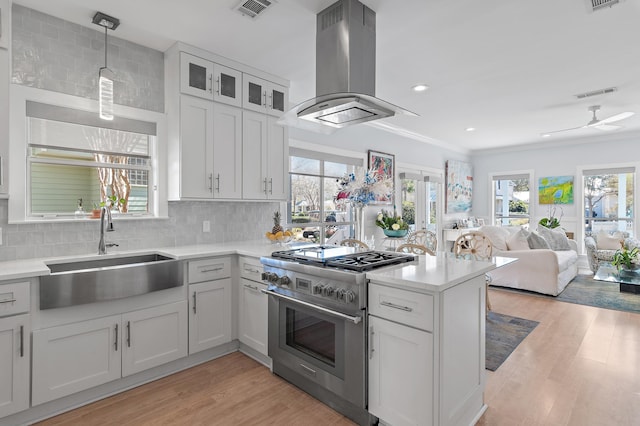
(345, 72)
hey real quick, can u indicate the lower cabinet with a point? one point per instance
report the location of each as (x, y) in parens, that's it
(400, 358)
(74, 357)
(209, 314)
(253, 315)
(14, 364)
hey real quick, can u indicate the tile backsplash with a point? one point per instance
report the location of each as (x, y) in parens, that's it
(230, 221)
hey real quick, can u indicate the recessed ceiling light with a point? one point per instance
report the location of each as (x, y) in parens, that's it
(420, 87)
(470, 129)
(545, 135)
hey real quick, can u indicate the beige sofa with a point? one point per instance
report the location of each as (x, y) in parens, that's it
(541, 270)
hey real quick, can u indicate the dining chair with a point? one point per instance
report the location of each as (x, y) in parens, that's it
(425, 238)
(351, 242)
(477, 245)
(415, 249)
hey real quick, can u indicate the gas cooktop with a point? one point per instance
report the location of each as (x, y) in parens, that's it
(349, 258)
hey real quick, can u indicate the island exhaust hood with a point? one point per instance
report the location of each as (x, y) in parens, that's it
(345, 72)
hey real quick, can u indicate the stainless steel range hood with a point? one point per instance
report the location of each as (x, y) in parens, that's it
(345, 71)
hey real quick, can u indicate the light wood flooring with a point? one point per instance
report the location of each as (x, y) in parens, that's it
(580, 366)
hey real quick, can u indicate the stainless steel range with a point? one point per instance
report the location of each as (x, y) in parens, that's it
(317, 321)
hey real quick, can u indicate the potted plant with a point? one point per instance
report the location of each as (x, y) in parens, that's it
(551, 221)
(625, 258)
(392, 224)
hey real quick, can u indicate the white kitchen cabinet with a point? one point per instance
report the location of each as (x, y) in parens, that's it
(196, 148)
(260, 95)
(401, 359)
(74, 357)
(227, 85)
(209, 303)
(265, 147)
(15, 332)
(4, 112)
(211, 149)
(196, 76)
(78, 356)
(252, 329)
(153, 337)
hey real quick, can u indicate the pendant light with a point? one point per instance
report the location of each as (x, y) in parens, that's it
(105, 75)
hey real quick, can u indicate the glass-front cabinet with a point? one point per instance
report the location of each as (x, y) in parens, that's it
(227, 85)
(264, 96)
(196, 76)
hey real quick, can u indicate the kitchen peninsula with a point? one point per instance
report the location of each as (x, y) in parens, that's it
(426, 331)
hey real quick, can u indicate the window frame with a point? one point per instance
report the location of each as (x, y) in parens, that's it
(18, 149)
(511, 175)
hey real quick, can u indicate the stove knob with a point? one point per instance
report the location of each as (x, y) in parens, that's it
(328, 291)
(283, 281)
(350, 297)
(317, 289)
(271, 277)
(340, 294)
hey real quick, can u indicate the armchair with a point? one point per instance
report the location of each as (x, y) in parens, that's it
(602, 246)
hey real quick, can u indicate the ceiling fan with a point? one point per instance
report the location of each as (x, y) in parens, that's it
(604, 124)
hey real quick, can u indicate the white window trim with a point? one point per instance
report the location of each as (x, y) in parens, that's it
(533, 194)
(18, 97)
(579, 194)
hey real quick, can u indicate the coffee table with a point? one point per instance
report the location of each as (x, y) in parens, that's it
(629, 279)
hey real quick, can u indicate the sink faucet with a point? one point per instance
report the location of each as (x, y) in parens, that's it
(105, 213)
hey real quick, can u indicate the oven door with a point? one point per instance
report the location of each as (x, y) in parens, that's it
(318, 345)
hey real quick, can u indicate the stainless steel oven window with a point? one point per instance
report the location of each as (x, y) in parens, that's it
(314, 337)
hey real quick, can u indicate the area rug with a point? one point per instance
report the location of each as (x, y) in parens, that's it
(584, 290)
(503, 334)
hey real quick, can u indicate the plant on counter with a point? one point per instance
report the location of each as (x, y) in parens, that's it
(625, 257)
(391, 221)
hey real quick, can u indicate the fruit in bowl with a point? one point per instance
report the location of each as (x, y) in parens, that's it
(278, 234)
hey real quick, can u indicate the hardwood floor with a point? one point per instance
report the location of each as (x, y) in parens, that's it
(580, 366)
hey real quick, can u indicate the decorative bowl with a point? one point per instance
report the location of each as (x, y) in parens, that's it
(397, 234)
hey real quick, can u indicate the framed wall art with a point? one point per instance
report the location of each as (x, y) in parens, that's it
(385, 165)
(459, 185)
(555, 190)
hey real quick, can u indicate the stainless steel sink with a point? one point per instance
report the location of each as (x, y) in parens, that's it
(97, 280)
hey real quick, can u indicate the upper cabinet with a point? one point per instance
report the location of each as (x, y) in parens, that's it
(4, 118)
(260, 95)
(224, 142)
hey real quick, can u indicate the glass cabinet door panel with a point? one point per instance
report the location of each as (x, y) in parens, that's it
(197, 76)
(277, 101)
(227, 85)
(255, 94)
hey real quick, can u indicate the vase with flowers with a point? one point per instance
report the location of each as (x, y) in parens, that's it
(359, 189)
(392, 224)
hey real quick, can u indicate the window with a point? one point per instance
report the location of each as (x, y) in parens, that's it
(419, 196)
(608, 199)
(72, 157)
(312, 211)
(511, 199)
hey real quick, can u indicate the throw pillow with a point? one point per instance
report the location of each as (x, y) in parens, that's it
(557, 239)
(536, 242)
(606, 241)
(518, 240)
(497, 235)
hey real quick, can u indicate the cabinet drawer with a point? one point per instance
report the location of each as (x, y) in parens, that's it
(251, 268)
(14, 298)
(209, 269)
(402, 306)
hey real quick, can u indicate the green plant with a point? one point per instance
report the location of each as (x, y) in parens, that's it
(551, 221)
(112, 201)
(386, 220)
(624, 257)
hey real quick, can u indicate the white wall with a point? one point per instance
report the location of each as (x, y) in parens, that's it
(565, 158)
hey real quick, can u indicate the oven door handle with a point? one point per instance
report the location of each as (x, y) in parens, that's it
(353, 319)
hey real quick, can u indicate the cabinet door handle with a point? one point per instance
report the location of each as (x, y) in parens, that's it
(271, 100)
(128, 334)
(270, 185)
(252, 287)
(218, 85)
(371, 349)
(8, 301)
(255, 271)
(210, 179)
(210, 83)
(264, 96)
(394, 306)
(194, 302)
(22, 341)
(115, 342)
(265, 185)
(218, 183)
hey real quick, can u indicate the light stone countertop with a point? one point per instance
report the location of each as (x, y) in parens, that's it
(28, 268)
(432, 274)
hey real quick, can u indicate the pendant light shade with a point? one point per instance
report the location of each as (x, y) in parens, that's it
(105, 75)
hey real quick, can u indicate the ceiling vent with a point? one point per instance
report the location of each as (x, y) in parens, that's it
(596, 92)
(254, 8)
(595, 5)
